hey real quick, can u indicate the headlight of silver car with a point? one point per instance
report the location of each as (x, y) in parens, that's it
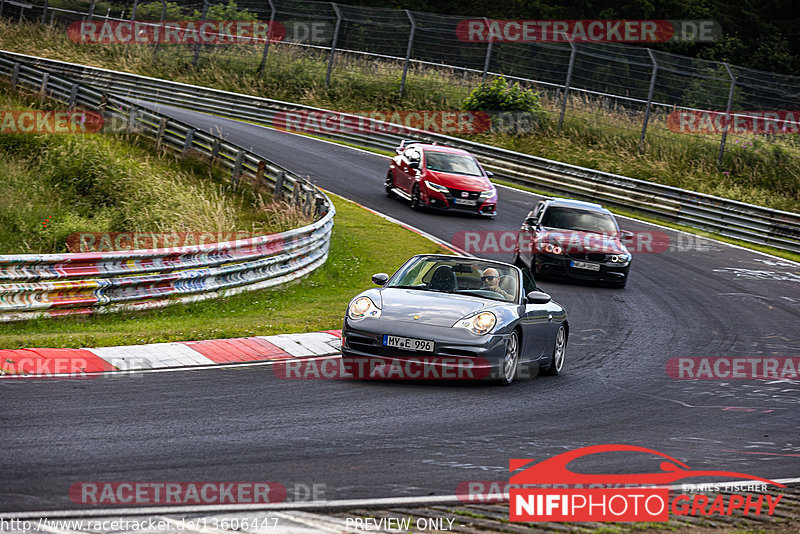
(363, 307)
(480, 324)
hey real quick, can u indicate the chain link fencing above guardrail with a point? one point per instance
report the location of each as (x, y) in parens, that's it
(643, 83)
(34, 285)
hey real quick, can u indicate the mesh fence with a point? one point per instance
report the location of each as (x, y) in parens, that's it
(641, 84)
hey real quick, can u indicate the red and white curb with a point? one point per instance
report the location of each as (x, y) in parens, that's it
(44, 362)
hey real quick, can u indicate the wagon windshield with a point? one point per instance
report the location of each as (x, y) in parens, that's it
(459, 276)
(579, 220)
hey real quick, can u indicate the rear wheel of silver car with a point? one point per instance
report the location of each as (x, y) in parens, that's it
(511, 359)
(559, 351)
(389, 184)
(416, 202)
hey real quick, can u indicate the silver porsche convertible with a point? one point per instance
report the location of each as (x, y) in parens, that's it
(454, 317)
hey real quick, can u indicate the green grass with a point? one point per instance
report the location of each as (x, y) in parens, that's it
(110, 183)
(362, 244)
(768, 173)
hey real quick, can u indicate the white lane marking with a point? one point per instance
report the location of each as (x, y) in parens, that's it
(315, 521)
(753, 274)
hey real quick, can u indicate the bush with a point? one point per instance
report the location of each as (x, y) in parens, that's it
(496, 95)
(500, 100)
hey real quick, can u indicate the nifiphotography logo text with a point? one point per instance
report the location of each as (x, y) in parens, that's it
(549, 491)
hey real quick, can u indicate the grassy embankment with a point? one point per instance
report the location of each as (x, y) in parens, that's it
(767, 173)
(105, 183)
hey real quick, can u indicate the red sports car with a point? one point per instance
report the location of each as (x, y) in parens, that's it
(441, 177)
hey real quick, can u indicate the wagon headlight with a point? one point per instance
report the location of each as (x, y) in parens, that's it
(363, 307)
(478, 324)
(550, 248)
(436, 187)
(620, 258)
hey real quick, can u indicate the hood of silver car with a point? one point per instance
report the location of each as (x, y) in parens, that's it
(427, 307)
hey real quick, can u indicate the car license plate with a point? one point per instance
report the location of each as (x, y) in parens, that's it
(585, 265)
(408, 343)
(465, 202)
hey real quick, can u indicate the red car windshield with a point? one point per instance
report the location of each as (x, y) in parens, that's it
(452, 163)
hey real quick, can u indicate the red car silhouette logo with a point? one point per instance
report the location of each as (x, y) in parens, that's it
(554, 470)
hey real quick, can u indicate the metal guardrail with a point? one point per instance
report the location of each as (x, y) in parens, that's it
(746, 222)
(34, 285)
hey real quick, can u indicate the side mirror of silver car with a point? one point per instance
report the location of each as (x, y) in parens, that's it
(537, 297)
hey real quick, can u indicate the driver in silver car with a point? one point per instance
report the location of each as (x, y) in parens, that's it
(491, 281)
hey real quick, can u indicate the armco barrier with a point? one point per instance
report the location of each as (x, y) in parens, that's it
(34, 285)
(747, 222)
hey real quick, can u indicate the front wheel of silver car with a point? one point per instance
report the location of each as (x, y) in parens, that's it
(510, 360)
(559, 351)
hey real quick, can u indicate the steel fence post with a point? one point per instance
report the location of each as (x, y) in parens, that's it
(2, 6)
(159, 28)
(73, 97)
(91, 9)
(133, 11)
(43, 87)
(408, 50)
(566, 84)
(649, 100)
(196, 54)
(187, 143)
(727, 113)
(44, 11)
(488, 52)
(263, 66)
(278, 185)
(132, 119)
(237, 168)
(333, 43)
(162, 127)
(15, 76)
